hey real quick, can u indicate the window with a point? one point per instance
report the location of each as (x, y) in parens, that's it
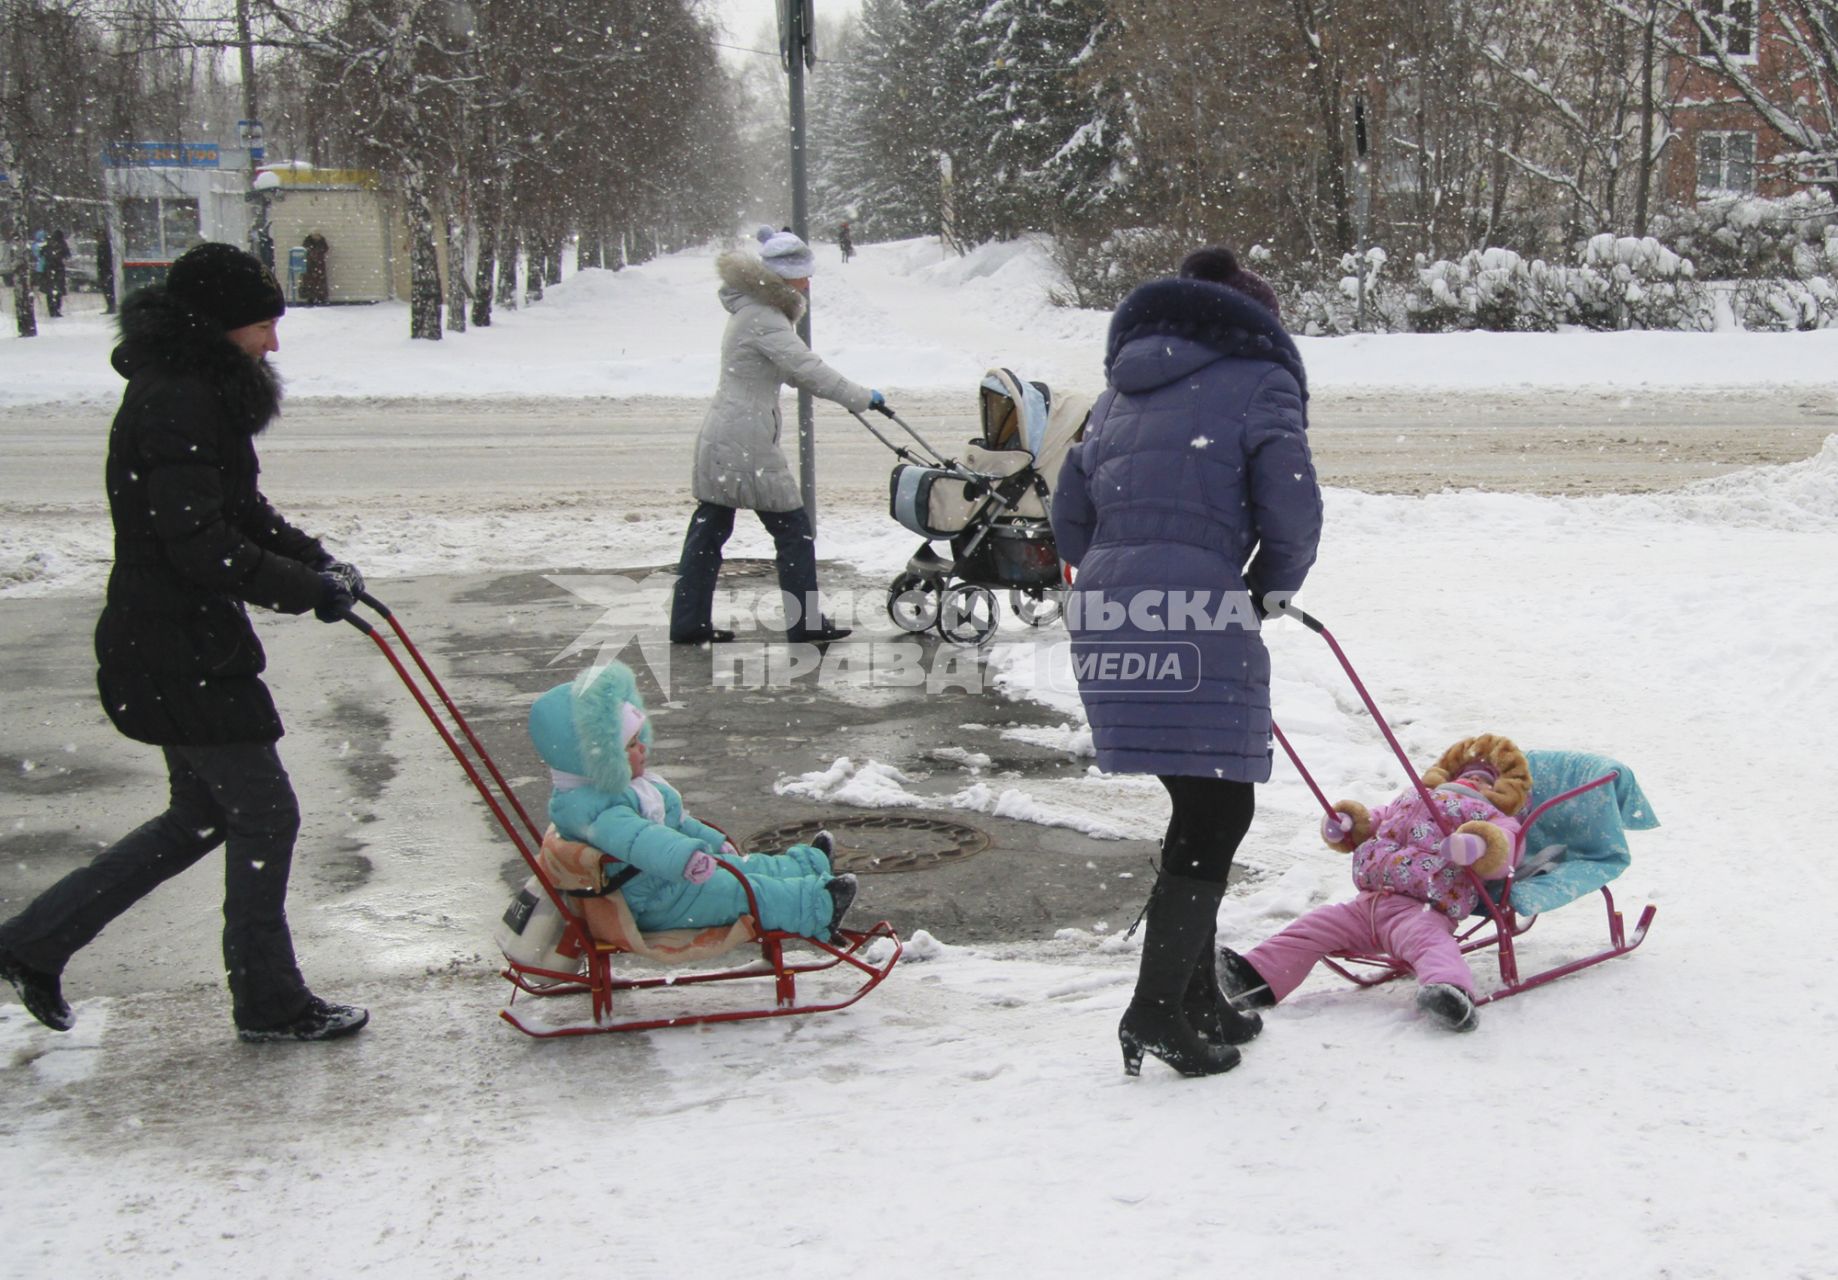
(155, 229)
(1733, 22)
(1726, 163)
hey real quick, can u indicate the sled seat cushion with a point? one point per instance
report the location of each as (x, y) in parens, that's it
(1580, 845)
(578, 868)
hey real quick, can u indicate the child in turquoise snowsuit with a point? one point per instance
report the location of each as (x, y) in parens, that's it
(595, 737)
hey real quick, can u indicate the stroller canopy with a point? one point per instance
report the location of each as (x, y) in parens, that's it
(1027, 416)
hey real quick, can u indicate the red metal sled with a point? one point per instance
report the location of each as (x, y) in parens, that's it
(596, 978)
(1500, 927)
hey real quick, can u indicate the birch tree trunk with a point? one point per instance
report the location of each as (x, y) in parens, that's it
(458, 234)
(483, 273)
(507, 270)
(423, 262)
(16, 249)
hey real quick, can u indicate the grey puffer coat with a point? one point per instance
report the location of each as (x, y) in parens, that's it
(738, 459)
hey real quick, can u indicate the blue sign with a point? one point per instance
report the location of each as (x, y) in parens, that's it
(161, 155)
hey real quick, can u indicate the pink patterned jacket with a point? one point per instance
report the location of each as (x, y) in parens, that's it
(1400, 856)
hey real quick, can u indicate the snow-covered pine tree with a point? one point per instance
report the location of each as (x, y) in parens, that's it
(1034, 111)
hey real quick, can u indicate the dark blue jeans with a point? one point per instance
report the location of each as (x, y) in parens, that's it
(692, 609)
(237, 796)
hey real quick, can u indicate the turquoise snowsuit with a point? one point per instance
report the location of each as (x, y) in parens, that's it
(578, 731)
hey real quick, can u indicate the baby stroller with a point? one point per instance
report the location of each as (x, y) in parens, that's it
(991, 508)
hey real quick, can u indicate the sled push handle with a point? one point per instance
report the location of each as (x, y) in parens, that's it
(1287, 609)
(527, 840)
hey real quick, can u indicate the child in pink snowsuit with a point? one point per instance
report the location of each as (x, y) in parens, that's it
(1413, 883)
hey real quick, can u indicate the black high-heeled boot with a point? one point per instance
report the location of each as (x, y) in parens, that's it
(1178, 927)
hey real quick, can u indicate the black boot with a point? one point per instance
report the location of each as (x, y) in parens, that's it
(842, 894)
(40, 992)
(1244, 986)
(1449, 1006)
(1178, 930)
(1210, 1012)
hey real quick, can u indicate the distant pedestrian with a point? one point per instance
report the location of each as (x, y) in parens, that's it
(316, 280)
(56, 271)
(846, 242)
(196, 543)
(105, 268)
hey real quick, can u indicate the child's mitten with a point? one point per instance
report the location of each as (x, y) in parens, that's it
(1480, 845)
(1348, 827)
(699, 867)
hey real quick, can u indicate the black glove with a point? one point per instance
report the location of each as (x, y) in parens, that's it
(335, 600)
(345, 574)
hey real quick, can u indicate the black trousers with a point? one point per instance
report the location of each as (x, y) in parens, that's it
(1210, 818)
(692, 608)
(237, 796)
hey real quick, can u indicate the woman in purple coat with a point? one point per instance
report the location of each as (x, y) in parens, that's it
(1190, 510)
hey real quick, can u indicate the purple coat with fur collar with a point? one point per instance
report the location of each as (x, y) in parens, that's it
(1193, 484)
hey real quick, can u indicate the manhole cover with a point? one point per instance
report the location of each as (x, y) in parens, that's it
(745, 567)
(891, 842)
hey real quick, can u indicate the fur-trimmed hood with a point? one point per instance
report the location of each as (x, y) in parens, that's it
(1204, 320)
(159, 333)
(1512, 784)
(578, 727)
(744, 278)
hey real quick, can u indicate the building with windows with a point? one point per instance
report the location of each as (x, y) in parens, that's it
(164, 197)
(1725, 147)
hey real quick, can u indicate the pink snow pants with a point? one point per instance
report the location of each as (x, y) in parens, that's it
(1403, 928)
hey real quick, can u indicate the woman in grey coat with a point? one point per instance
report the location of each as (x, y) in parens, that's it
(1191, 496)
(738, 459)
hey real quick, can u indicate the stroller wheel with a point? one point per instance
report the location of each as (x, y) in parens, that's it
(968, 615)
(912, 602)
(1038, 606)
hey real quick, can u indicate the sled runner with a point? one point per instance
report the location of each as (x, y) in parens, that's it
(991, 509)
(592, 930)
(1570, 845)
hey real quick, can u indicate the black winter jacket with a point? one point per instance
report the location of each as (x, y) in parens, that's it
(195, 540)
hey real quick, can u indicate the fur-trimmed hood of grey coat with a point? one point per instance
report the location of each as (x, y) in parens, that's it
(738, 459)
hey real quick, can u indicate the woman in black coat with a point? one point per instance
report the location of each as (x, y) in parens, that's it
(179, 663)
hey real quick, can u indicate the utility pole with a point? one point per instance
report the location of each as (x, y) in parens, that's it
(1362, 209)
(796, 18)
(251, 100)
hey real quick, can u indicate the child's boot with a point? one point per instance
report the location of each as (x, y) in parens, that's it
(1210, 1012)
(1449, 1005)
(842, 893)
(1244, 985)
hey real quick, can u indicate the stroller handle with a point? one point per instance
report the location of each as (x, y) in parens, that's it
(900, 451)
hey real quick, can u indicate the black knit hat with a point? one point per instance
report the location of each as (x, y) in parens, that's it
(1220, 265)
(227, 285)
